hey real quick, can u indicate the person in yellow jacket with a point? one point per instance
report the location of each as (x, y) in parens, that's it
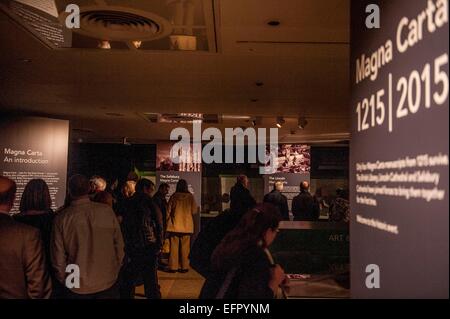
(180, 226)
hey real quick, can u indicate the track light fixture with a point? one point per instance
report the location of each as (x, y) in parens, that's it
(280, 121)
(302, 122)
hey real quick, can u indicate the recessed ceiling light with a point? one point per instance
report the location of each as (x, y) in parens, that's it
(25, 60)
(273, 23)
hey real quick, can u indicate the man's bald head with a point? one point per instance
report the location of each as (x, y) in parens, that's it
(8, 190)
(304, 186)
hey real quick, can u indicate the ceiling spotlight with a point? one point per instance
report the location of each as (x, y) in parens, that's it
(104, 45)
(302, 122)
(256, 121)
(137, 44)
(280, 121)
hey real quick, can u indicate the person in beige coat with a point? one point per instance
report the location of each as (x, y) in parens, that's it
(180, 226)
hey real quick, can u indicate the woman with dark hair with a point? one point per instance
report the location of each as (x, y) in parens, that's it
(35, 210)
(242, 267)
(180, 226)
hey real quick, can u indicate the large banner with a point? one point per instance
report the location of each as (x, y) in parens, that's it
(35, 148)
(399, 149)
(294, 165)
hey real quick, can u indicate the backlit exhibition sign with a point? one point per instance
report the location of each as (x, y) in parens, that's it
(399, 150)
(34, 148)
(293, 167)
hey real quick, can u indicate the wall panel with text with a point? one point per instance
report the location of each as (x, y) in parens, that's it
(399, 149)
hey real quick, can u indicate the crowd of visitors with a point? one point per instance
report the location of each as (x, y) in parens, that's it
(104, 242)
(99, 245)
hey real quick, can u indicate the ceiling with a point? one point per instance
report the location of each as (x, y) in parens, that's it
(302, 64)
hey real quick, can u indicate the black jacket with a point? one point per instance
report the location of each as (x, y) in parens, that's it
(305, 207)
(160, 201)
(141, 226)
(241, 199)
(278, 200)
(209, 238)
(251, 280)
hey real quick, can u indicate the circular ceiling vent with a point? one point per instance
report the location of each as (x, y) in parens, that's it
(122, 24)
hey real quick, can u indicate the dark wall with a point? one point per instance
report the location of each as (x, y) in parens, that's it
(110, 160)
(329, 162)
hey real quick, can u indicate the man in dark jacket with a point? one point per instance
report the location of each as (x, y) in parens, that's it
(161, 202)
(209, 237)
(304, 206)
(142, 232)
(216, 229)
(23, 270)
(276, 198)
(240, 197)
(159, 199)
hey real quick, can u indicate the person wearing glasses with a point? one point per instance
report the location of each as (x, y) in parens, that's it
(242, 267)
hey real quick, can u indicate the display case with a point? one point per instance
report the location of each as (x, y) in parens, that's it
(315, 255)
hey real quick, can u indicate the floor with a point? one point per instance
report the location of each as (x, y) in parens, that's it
(177, 285)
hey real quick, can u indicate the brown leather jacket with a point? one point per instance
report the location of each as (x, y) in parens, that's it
(23, 270)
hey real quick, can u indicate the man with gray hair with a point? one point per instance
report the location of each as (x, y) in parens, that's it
(98, 184)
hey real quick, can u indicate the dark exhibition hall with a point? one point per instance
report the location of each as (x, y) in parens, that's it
(184, 152)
